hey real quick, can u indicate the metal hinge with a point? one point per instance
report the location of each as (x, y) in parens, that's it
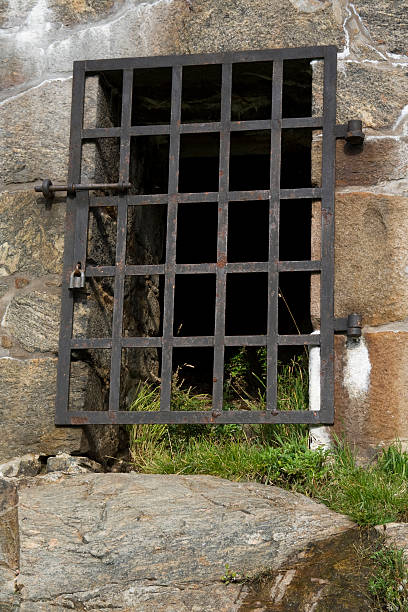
(352, 132)
(350, 325)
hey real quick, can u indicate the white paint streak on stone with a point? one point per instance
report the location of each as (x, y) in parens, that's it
(106, 39)
(319, 436)
(314, 376)
(49, 48)
(382, 137)
(397, 187)
(346, 51)
(394, 327)
(352, 21)
(36, 25)
(3, 321)
(402, 121)
(352, 18)
(357, 370)
(310, 6)
(380, 64)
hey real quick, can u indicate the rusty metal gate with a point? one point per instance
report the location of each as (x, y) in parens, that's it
(80, 200)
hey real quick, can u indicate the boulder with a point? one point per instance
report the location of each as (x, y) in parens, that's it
(156, 542)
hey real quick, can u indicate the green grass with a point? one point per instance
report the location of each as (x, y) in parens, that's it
(388, 585)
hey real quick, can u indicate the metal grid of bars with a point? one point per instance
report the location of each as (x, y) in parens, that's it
(78, 206)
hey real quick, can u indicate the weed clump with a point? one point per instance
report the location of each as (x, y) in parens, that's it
(389, 583)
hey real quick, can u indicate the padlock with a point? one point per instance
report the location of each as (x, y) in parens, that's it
(77, 278)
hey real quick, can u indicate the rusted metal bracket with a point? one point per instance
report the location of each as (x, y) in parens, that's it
(352, 132)
(48, 189)
(350, 325)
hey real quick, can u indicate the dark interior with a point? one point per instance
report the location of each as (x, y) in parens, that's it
(246, 297)
(246, 303)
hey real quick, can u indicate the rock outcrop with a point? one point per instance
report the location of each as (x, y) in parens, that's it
(148, 542)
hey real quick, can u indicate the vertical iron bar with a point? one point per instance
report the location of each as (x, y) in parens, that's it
(121, 235)
(222, 239)
(126, 122)
(171, 241)
(327, 238)
(274, 206)
(70, 253)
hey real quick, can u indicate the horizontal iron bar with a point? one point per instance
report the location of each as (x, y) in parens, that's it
(145, 269)
(306, 193)
(90, 343)
(94, 271)
(302, 122)
(210, 126)
(300, 340)
(141, 342)
(92, 133)
(190, 341)
(299, 266)
(242, 126)
(149, 130)
(244, 196)
(245, 340)
(245, 267)
(184, 417)
(193, 198)
(198, 268)
(199, 128)
(316, 52)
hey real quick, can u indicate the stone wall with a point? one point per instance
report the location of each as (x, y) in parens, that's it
(41, 38)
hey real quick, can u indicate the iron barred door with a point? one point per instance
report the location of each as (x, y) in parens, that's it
(118, 195)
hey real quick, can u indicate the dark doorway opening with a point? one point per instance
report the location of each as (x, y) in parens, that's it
(250, 151)
(197, 223)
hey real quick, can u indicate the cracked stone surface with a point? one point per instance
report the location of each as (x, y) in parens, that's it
(365, 92)
(216, 25)
(35, 133)
(9, 543)
(386, 20)
(34, 320)
(31, 238)
(154, 542)
(27, 398)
